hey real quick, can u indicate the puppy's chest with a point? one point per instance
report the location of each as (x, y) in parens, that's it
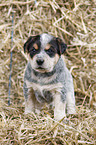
(45, 93)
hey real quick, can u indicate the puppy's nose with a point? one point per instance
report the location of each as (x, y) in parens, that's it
(40, 61)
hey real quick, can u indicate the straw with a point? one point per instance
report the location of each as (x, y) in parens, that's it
(74, 22)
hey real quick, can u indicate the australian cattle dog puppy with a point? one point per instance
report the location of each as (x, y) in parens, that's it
(46, 78)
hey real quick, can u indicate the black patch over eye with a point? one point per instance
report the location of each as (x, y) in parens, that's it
(33, 51)
(34, 48)
(51, 51)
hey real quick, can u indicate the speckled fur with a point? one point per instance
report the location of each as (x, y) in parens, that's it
(55, 86)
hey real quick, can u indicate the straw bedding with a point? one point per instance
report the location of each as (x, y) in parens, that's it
(75, 23)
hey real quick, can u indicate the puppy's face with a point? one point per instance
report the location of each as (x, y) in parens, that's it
(44, 51)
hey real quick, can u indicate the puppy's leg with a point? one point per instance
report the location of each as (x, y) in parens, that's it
(29, 106)
(29, 102)
(29, 97)
(59, 110)
(70, 100)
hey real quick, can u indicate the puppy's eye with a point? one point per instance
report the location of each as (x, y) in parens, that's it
(51, 51)
(32, 50)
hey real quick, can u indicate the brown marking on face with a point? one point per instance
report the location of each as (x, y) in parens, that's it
(35, 46)
(47, 46)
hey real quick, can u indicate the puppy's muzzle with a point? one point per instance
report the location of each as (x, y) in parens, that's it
(40, 61)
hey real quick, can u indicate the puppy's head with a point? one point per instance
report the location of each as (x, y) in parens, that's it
(44, 51)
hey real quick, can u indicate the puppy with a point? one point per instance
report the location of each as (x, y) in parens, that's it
(46, 78)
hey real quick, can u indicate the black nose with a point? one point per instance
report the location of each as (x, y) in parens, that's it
(40, 61)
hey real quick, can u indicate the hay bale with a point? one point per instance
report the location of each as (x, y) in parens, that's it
(74, 22)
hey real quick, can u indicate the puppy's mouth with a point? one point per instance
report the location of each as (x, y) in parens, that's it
(41, 69)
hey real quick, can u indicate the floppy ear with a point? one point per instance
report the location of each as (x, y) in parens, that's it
(27, 43)
(61, 46)
(30, 40)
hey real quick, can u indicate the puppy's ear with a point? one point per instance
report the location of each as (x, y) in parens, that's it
(29, 42)
(61, 46)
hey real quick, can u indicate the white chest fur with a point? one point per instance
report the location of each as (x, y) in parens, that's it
(50, 87)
